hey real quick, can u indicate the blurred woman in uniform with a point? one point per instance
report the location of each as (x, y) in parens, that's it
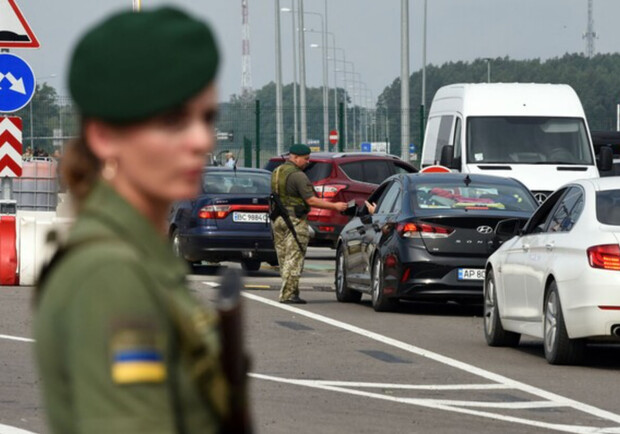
(122, 347)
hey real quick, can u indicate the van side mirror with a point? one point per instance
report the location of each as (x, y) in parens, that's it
(605, 159)
(447, 151)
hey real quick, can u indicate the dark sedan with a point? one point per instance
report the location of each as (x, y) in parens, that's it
(428, 239)
(228, 221)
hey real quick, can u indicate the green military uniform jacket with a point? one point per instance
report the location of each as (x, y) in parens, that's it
(107, 349)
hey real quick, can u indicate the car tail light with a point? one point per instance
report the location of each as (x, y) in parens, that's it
(413, 230)
(328, 191)
(222, 211)
(606, 256)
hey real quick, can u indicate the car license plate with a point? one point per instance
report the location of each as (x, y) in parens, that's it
(471, 274)
(250, 217)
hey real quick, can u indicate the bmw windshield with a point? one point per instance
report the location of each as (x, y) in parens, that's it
(527, 140)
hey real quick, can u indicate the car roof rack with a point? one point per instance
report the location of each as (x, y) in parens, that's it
(359, 154)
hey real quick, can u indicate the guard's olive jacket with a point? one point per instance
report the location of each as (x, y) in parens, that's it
(295, 204)
(107, 347)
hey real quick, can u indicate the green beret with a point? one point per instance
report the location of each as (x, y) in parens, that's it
(135, 65)
(299, 149)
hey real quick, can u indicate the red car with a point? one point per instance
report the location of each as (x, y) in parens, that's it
(341, 177)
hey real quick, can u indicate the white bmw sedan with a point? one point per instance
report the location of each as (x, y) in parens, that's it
(558, 277)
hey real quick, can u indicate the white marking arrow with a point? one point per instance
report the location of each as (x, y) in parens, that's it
(16, 85)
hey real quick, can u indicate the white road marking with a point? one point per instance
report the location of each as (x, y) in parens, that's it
(506, 382)
(552, 399)
(435, 404)
(15, 338)
(412, 386)
(5, 429)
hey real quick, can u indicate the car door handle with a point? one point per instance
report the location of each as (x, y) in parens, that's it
(550, 245)
(361, 231)
(526, 247)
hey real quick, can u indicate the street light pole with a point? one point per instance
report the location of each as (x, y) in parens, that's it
(295, 106)
(404, 80)
(325, 83)
(488, 60)
(279, 122)
(302, 73)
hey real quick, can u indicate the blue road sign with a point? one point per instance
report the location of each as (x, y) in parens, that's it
(366, 147)
(17, 83)
(411, 148)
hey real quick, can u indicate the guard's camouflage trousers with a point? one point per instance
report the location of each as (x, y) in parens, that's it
(290, 258)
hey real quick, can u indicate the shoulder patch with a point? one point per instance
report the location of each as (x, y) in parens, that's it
(137, 353)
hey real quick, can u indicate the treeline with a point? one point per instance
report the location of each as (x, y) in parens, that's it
(596, 80)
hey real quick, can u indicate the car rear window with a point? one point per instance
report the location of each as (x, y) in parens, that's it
(272, 164)
(479, 197)
(317, 170)
(608, 207)
(369, 171)
(236, 182)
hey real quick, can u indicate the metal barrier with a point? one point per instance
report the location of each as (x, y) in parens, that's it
(37, 188)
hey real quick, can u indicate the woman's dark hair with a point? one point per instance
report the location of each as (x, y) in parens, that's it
(80, 169)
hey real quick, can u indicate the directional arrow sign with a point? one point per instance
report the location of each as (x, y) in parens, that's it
(17, 83)
(10, 147)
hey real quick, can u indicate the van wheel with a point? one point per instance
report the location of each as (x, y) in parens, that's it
(559, 348)
(494, 332)
(343, 293)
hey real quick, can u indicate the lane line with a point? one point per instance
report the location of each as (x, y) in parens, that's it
(5, 429)
(493, 386)
(436, 406)
(586, 408)
(15, 338)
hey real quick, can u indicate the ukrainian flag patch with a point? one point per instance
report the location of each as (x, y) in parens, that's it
(136, 358)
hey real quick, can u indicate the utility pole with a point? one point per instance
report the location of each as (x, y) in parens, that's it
(279, 120)
(404, 80)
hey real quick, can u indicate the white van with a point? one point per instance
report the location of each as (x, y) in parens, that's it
(536, 133)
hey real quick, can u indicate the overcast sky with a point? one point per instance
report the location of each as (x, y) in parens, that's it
(367, 30)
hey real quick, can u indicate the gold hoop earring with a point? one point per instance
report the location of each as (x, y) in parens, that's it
(110, 167)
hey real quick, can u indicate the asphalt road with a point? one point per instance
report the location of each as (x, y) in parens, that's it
(328, 367)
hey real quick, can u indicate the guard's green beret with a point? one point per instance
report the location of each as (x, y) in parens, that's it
(134, 65)
(299, 149)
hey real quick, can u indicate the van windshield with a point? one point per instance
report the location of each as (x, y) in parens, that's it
(527, 140)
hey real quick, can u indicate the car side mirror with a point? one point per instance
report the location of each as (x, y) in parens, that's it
(447, 151)
(351, 211)
(606, 159)
(366, 218)
(508, 228)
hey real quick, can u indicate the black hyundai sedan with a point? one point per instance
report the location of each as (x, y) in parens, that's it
(428, 238)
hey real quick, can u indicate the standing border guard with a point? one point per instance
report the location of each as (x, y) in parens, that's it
(291, 198)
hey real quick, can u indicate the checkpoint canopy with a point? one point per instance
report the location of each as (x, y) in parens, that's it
(17, 83)
(15, 32)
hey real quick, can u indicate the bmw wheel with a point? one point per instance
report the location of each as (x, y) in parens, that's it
(343, 293)
(494, 332)
(380, 302)
(559, 348)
